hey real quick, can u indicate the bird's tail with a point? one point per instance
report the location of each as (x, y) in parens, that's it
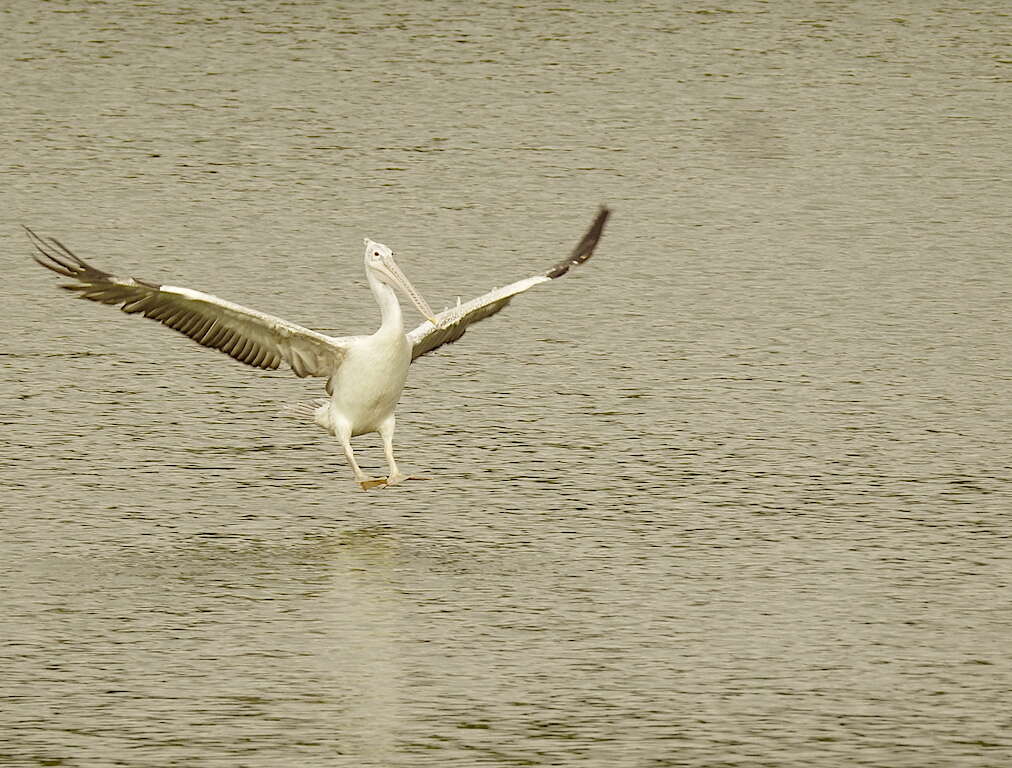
(302, 411)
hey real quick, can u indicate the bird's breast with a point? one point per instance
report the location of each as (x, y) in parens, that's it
(370, 380)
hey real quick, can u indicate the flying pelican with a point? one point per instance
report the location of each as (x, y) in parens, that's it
(365, 374)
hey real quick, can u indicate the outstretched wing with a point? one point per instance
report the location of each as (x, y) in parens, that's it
(452, 323)
(251, 337)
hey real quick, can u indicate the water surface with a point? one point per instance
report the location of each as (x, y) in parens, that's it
(735, 492)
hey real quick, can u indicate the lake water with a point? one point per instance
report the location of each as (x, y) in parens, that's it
(736, 492)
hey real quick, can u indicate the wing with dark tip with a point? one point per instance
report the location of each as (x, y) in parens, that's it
(452, 323)
(251, 337)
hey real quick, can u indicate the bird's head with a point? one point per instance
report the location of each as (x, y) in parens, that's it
(380, 264)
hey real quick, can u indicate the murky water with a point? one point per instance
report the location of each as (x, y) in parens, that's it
(735, 493)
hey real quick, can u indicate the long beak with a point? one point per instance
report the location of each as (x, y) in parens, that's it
(402, 282)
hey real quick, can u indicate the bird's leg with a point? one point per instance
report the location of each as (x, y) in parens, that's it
(386, 431)
(344, 435)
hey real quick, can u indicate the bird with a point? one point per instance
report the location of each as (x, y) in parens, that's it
(365, 375)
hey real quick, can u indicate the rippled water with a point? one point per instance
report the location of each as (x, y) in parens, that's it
(734, 493)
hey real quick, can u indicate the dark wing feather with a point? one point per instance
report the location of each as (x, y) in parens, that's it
(453, 323)
(251, 337)
(585, 248)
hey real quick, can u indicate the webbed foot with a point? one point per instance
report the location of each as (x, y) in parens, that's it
(396, 478)
(377, 482)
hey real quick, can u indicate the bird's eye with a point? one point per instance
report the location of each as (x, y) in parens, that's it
(376, 254)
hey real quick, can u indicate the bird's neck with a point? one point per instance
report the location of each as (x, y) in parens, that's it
(390, 307)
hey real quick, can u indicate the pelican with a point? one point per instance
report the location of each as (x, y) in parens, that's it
(365, 374)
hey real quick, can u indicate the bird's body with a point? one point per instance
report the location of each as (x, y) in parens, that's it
(365, 388)
(368, 385)
(365, 374)
(365, 391)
